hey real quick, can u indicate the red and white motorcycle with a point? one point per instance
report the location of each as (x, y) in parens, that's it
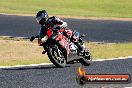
(61, 51)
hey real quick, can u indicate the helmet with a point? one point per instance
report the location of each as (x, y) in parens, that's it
(42, 17)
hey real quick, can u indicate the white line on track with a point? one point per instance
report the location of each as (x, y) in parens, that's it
(46, 64)
(30, 65)
(113, 58)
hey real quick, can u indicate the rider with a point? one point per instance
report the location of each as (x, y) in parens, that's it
(44, 20)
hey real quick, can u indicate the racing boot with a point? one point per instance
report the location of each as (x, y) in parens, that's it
(80, 48)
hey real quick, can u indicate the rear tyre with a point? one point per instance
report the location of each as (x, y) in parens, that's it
(86, 58)
(56, 56)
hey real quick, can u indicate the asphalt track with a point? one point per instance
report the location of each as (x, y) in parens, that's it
(95, 30)
(51, 77)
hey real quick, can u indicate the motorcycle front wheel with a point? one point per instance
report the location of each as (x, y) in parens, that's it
(56, 56)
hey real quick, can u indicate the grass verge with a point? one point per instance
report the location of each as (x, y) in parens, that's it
(110, 50)
(97, 8)
(16, 51)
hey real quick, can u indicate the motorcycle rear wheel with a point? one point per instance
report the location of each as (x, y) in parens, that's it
(56, 56)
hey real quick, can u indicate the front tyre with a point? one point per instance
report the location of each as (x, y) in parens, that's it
(86, 58)
(56, 56)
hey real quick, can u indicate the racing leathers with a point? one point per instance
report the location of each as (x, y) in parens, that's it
(56, 24)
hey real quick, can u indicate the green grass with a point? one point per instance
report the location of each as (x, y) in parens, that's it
(20, 51)
(20, 61)
(97, 8)
(15, 51)
(110, 50)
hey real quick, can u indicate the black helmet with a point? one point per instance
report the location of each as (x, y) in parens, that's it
(42, 17)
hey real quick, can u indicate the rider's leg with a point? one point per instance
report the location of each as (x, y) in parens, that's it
(69, 34)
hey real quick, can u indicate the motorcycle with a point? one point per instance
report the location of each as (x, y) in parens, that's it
(62, 51)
